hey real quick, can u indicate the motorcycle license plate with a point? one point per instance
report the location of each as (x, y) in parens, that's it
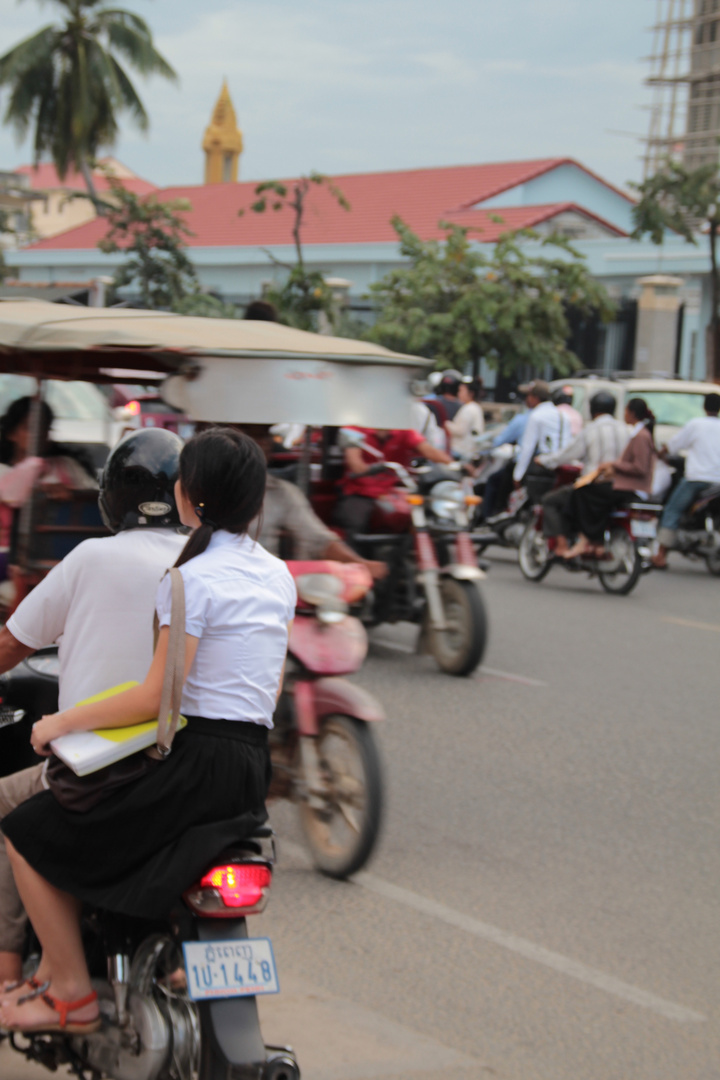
(643, 528)
(242, 967)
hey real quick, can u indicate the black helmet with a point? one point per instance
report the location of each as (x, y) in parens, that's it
(137, 485)
(603, 402)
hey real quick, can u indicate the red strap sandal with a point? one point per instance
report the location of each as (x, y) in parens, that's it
(64, 1008)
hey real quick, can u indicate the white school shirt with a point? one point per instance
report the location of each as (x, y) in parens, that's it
(98, 605)
(239, 600)
(701, 438)
(546, 431)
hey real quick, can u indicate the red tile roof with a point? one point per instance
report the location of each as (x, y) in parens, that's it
(44, 177)
(422, 197)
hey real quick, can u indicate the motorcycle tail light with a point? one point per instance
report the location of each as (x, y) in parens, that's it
(232, 889)
(133, 408)
(415, 500)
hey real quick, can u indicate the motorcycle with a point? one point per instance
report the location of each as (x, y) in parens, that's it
(505, 527)
(628, 536)
(420, 529)
(698, 534)
(178, 997)
(323, 752)
(324, 756)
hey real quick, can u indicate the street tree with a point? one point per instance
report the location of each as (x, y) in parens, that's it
(67, 83)
(305, 293)
(457, 303)
(687, 202)
(152, 236)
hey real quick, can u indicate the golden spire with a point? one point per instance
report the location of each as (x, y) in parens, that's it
(223, 142)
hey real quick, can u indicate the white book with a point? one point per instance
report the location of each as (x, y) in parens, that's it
(87, 751)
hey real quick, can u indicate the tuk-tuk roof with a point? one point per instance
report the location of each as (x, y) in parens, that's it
(54, 336)
(222, 370)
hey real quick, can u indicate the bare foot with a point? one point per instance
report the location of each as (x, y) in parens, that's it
(561, 546)
(12, 991)
(582, 547)
(46, 1013)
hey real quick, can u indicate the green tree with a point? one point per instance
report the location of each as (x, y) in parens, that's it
(7, 230)
(152, 235)
(305, 293)
(67, 83)
(458, 304)
(683, 200)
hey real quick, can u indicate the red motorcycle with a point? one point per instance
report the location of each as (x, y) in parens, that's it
(628, 536)
(323, 752)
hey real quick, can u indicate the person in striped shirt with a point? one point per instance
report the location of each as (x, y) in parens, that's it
(602, 440)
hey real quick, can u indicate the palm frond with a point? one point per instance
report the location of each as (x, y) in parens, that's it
(39, 48)
(135, 44)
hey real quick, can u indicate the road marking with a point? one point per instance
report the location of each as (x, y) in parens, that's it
(396, 646)
(564, 965)
(524, 680)
(714, 627)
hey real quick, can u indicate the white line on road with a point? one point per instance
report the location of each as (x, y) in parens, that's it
(564, 965)
(691, 623)
(396, 646)
(525, 680)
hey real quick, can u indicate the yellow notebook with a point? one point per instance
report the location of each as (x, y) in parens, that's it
(87, 751)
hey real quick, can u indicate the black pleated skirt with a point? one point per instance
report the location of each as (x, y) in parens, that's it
(138, 850)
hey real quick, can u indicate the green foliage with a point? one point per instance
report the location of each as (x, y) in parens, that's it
(682, 200)
(305, 294)
(68, 84)
(457, 304)
(206, 306)
(152, 236)
(302, 298)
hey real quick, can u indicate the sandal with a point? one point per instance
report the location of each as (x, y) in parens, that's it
(32, 982)
(63, 1009)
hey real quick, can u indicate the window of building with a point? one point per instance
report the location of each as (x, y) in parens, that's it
(227, 168)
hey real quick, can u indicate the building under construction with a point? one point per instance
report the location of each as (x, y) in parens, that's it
(685, 81)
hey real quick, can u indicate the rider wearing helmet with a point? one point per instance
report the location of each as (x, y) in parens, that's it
(99, 603)
(600, 441)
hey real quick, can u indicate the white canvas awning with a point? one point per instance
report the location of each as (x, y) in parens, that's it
(226, 370)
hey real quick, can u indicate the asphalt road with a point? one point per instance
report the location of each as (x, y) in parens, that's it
(544, 900)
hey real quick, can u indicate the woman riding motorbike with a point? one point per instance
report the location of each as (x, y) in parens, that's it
(239, 603)
(615, 483)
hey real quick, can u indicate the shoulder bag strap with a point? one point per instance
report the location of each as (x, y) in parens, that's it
(171, 696)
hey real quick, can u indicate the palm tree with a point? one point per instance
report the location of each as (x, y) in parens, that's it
(67, 83)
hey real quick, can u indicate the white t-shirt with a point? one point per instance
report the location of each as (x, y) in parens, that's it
(469, 422)
(239, 600)
(98, 604)
(701, 438)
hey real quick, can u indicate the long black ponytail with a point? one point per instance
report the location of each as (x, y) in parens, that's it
(223, 474)
(642, 411)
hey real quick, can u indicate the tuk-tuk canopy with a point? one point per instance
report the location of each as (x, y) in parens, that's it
(226, 370)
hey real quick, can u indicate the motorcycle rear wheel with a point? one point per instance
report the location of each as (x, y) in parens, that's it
(713, 559)
(622, 581)
(344, 832)
(459, 649)
(532, 547)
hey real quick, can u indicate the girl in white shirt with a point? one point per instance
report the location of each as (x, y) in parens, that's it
(469, 421)
(138, 850)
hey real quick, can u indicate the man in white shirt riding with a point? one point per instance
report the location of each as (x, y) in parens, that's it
(601, 441)
(546, 432)
(99, 604)
(700, 438)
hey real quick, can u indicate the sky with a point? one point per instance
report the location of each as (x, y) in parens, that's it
(365, 85)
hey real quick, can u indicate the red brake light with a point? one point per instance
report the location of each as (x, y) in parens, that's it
(231, 889)
(133, 408)
(240, 885)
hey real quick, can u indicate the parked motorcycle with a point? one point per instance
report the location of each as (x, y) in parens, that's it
(698, 535)
(178, 997)
(420, 529)
(628, 536)
(324, 755)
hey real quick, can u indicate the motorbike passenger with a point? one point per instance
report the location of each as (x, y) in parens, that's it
(99, 603)
(500, 483)
(602, 440)
(448, 391)
(547, 430)
(614, 483)
(562, 398)
(137, 850)
(287, 513)
(363, 483)
(701, 439)
(469, 421)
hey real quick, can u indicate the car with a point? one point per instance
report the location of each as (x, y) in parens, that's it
(674, 401)
(142, 406)
(83, 418)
